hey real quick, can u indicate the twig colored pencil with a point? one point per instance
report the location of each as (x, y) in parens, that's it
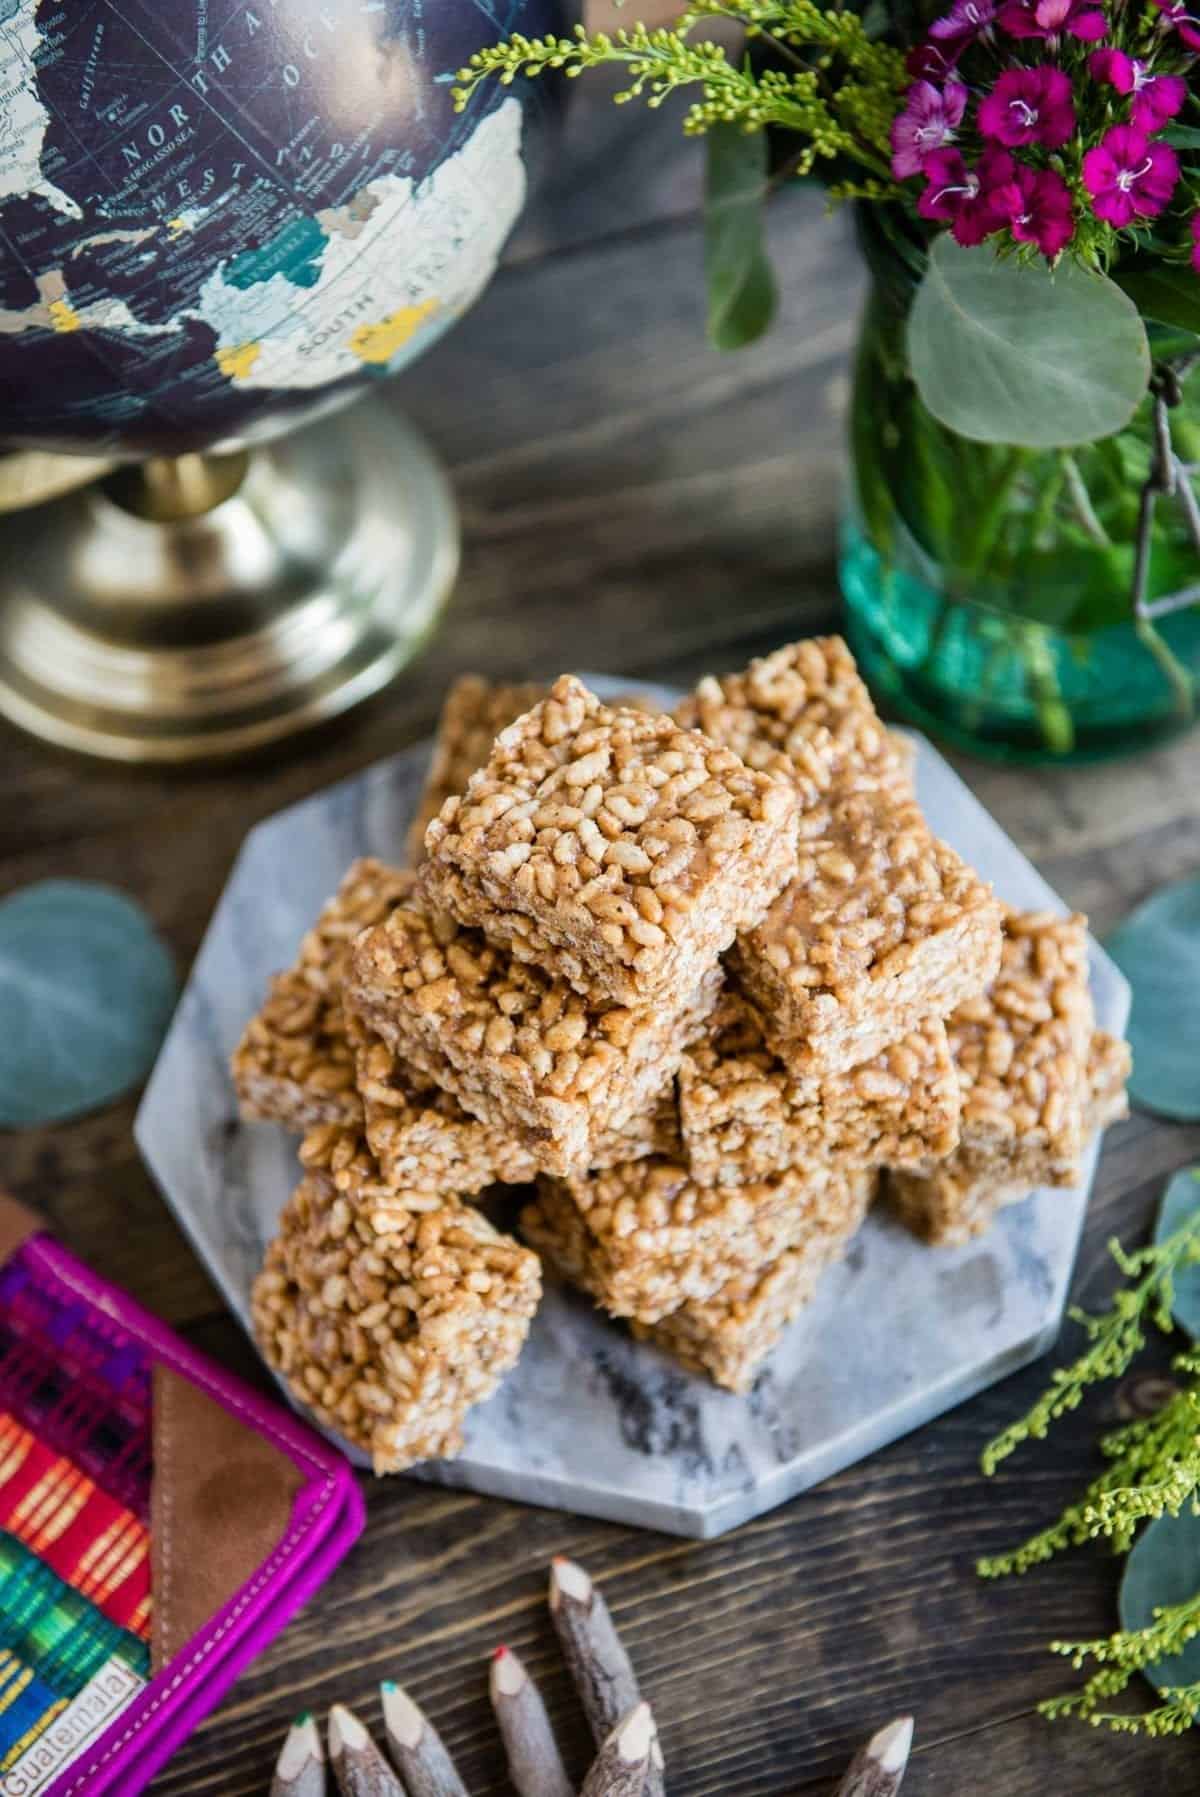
(597, 1662)
(417, 1748)
(300, 1768)
(534, 1763)
(358, 1765)
(877, 1769)
(627, 1759)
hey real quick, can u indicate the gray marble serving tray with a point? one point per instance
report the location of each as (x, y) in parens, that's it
(589, 1420)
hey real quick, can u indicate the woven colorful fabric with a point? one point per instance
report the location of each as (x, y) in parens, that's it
(27, 1707)
(78, 1383)
(56, 1631)
(75, 1472)
(93, 1543)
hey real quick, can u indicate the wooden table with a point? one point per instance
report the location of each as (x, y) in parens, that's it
(636, 503)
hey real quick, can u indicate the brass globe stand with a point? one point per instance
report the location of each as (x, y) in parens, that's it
(195, 607)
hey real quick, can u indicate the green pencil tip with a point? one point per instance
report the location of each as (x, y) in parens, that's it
(302, 1718)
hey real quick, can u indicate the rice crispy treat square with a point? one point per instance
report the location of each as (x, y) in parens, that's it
(958, 1201)
(612, 846)
(728, 1336)
(423, 1139)
(338, 1160)
(391, 1338)
(883, 925)
(1021, 1050)
(881, 928)
(804, 713)
(652, 1131)
(475, 712)
(1110, 1063)
(420, 1136)
(954, 1203)
(904, 749)
(744, 1116)
(643, 1238)
(519, 1049)
(294, 1064)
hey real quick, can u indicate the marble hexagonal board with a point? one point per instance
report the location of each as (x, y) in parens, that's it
(590, 1420)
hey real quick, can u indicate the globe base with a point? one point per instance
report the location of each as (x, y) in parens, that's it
(154, 617)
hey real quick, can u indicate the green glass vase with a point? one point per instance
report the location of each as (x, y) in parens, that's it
(988, 587)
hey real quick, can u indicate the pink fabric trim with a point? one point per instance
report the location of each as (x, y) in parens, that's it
(327, 1516)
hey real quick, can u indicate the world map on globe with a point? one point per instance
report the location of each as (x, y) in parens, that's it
(215, 215)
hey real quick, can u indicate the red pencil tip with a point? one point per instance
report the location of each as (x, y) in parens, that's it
(498, 1653)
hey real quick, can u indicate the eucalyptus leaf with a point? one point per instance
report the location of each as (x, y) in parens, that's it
(741, 286)
(1010, 352)
(86, 993)
(1180, 1202)
(1167, 295)
(1157, 948)
(1163, 1567)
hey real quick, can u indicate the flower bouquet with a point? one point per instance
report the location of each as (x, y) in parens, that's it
(1021, 540)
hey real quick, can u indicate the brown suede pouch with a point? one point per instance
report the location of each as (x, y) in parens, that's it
(220, 1501)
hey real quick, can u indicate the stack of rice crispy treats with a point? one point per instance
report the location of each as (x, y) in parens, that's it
(703, 984)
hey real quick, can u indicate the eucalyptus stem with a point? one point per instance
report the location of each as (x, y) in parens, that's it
(1081, 499)
(1177, 676)
(981, 540)
(987, 526)
(1053, 714)
(997, 654)
(937, 632)
(1042, 515)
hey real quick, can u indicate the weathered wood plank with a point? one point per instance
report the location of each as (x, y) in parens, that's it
(613, 171)
(608, 171)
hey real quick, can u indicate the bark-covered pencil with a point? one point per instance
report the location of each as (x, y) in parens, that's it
(534, 1762)
(358, 1765)
(877, 1769)
(628, 1757)
(596, 1659)
(417, 1748)
(300, 1768)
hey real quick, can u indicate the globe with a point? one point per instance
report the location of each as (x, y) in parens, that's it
(219, 221)
(219, 216)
